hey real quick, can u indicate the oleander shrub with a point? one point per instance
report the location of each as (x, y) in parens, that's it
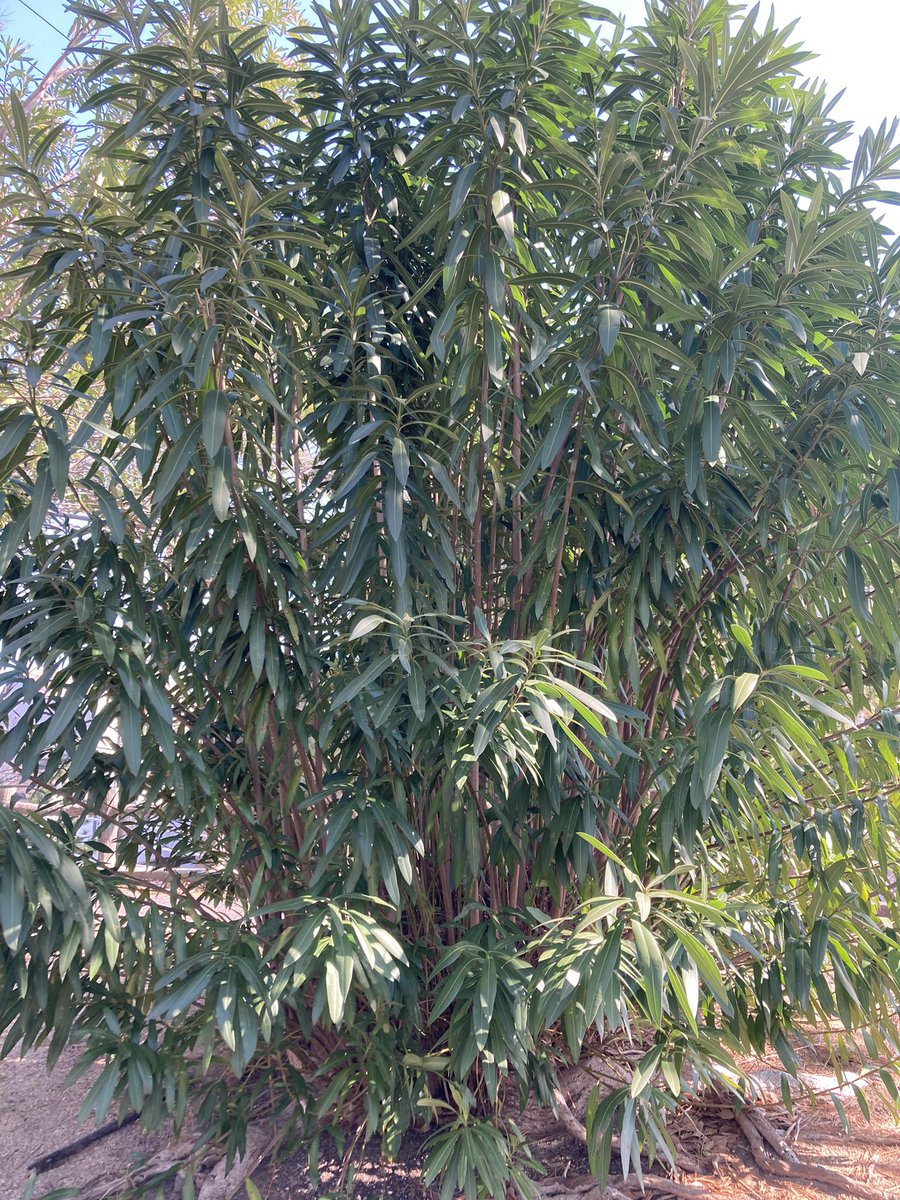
(451, 490)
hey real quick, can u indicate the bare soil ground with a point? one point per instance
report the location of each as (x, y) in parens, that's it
(38, 1114)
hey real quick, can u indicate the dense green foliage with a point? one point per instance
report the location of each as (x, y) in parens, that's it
(450, 529)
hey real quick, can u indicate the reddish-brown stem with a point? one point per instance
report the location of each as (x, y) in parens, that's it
(477, 565)
(495, 512)
(542, 514)
(379, 521)
(516, 450)
(567, 504)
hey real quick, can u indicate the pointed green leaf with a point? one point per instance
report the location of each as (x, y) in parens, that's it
(461, 188)
(215, 414)
(744, 687)
(712, 429)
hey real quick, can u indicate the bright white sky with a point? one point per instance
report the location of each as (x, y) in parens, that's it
(858, 43)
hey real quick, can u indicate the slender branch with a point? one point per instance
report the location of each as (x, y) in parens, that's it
(564, 519)
(57, 70)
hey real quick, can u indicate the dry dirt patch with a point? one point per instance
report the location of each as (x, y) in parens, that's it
(38, 1115)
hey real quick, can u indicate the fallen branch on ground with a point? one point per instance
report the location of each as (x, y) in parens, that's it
(562, 1187)
(567, 1118)
(758, 1131)
(585, 1187)
(55, 1157)
(859, 1135)
(771, 1135)
(689, 1191)
(214, 1179)
(162, 1165)
(223, 1182)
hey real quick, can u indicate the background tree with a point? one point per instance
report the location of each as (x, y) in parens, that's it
(486, 565)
